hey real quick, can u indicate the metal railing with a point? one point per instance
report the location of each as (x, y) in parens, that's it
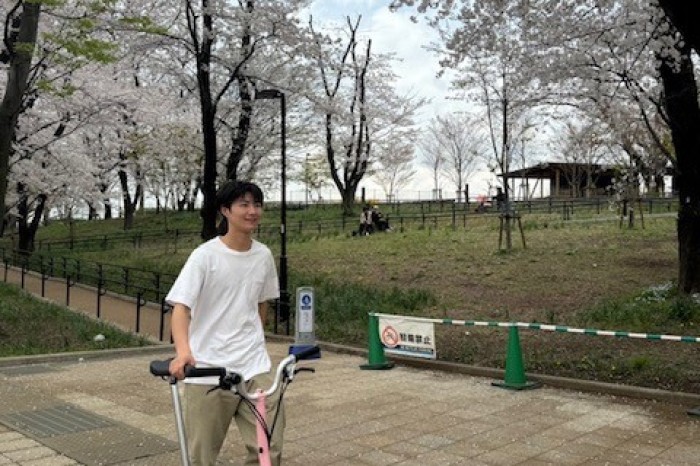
(143, 286)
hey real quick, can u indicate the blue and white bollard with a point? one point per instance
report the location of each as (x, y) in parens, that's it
(305, 334)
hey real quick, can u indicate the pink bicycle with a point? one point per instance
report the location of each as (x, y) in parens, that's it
(286, 370)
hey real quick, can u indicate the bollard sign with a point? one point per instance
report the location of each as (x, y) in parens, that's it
(407, 337)
(305, 334)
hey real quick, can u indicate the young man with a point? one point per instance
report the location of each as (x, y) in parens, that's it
(219, 309)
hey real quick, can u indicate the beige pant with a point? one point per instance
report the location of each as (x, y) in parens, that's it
(208, 416)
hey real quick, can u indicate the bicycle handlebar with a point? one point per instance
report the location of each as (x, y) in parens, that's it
(284, 368)
(308, 353)
(229, 379)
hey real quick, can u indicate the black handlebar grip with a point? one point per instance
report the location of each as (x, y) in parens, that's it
(160, 368)
(191, 371)
(308, 353)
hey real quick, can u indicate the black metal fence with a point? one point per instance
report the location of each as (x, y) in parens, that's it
(401, 216)
(140, 285)
(148, 286)
(143, 286)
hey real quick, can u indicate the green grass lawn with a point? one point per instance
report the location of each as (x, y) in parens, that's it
(591, 273)
(32, 326)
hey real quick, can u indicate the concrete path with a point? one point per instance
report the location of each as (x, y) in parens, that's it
(112, 411)
(105, 409)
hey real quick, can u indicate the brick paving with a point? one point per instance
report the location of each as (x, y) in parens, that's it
(341, 415)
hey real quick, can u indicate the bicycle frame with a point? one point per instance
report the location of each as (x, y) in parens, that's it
(286, 370)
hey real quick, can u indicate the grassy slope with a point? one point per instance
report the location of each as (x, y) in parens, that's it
(570, 274)
(31, 326)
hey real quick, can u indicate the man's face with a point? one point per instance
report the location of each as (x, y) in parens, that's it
(244, 214)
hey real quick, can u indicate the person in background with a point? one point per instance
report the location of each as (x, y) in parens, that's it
(379, 222)
(219, 310)
(366, 221)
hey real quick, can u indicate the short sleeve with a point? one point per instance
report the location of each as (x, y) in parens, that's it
(189, 282)
(271, 287)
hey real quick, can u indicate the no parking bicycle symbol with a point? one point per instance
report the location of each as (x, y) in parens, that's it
(390, 337)
(407, 336)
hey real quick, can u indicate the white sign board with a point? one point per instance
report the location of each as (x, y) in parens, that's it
(407, 337)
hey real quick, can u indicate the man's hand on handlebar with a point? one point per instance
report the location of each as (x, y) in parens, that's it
(177, 365)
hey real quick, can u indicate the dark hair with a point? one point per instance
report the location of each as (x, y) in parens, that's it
(229, 192)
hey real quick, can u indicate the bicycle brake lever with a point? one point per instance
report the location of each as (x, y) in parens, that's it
(225, 383)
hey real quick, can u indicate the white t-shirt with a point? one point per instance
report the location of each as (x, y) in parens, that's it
(223, 288)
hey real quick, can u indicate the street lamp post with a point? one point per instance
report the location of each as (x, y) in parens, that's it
(283, 302)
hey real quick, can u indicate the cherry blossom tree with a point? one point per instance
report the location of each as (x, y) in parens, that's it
(394, 168)
(433, 160)
(458, 143)
(582, 44)
(223, 52)
(46, 44)
(19, 40)
(584, 148)
(358, 105)
(312, 173)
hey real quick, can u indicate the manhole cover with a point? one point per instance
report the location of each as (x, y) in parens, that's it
(56, 420)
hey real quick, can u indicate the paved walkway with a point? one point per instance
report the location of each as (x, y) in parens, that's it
(106, 411)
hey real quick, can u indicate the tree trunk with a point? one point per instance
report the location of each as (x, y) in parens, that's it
(684, 18)
(17, 78)
(242, 130)
(27, 229)
(129, 202)
(208, 211)
(208, 110)
(681, 103)
(106, 201)
(348, 197)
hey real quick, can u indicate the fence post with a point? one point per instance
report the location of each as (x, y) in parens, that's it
(43, 278)
(139, 303)
(24, 271)
(101, 291)
(125, 276)
(69, 284)
(164, 309)
(156, 279)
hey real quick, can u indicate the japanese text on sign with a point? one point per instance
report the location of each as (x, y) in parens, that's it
(408, 338)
